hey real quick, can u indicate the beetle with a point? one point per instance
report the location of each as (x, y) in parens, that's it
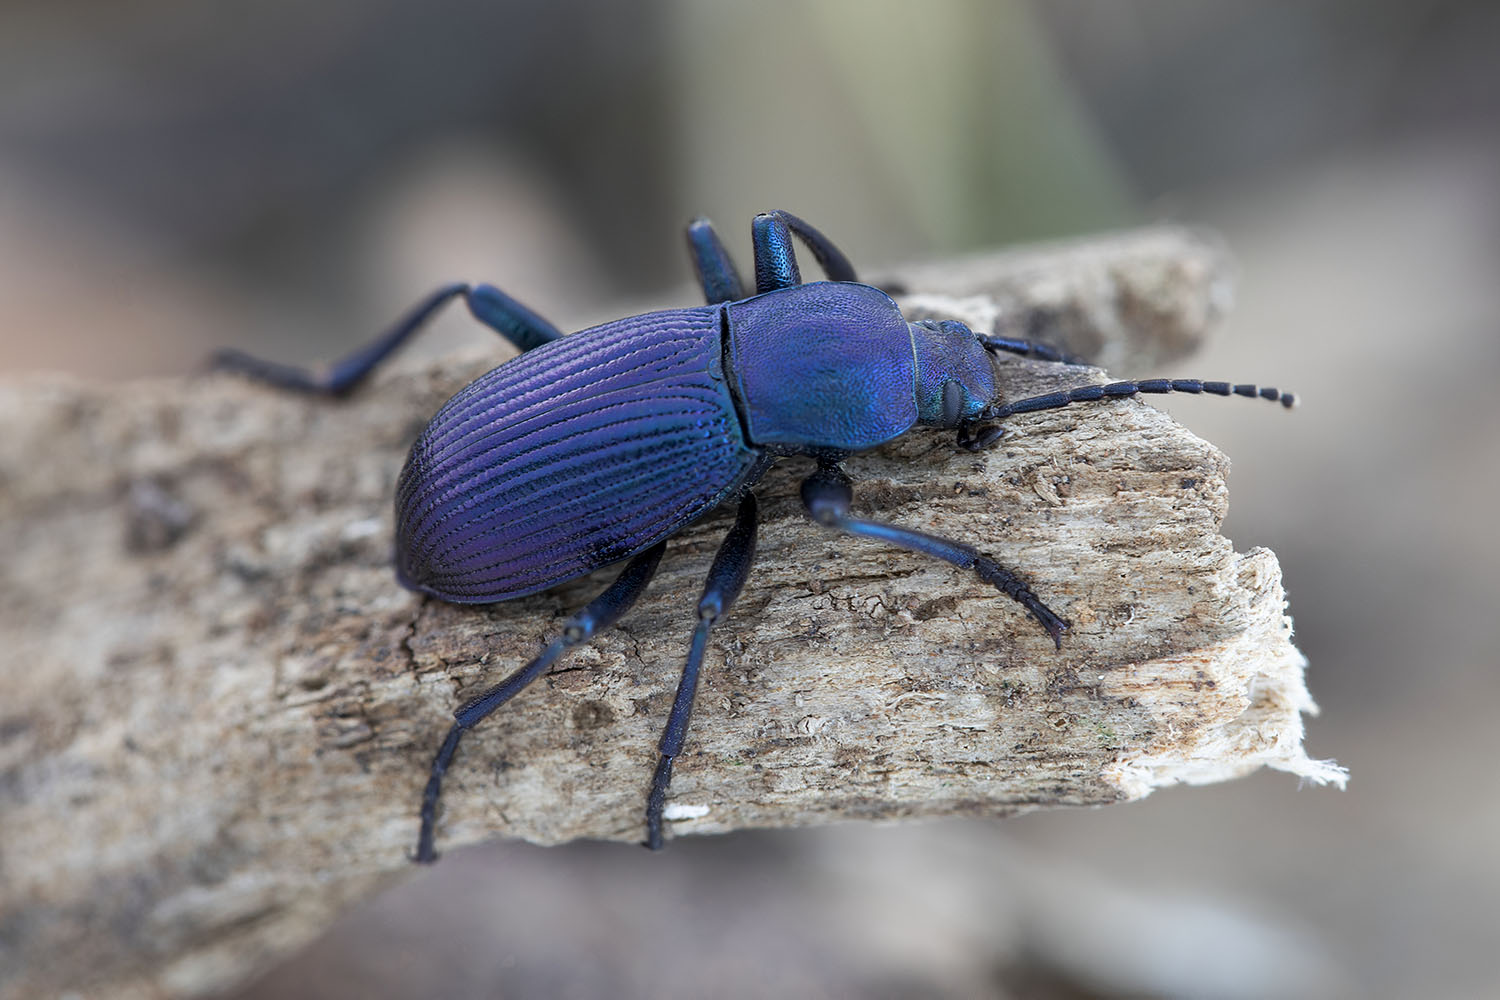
(598, 447)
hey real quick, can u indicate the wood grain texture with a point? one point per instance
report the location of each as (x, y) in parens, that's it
(219, 708)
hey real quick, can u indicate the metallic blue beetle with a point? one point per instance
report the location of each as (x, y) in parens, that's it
(597, 447)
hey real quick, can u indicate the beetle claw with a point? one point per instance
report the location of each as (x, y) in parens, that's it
(971, 439)
(1054, 625)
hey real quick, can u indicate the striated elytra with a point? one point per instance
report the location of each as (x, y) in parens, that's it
(597, 447)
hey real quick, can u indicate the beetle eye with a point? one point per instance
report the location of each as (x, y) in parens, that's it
(953, 402)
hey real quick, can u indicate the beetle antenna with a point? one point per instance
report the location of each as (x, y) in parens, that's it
(974, 437)
(1114, 390)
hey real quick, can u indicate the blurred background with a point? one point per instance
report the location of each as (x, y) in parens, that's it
(286, 177)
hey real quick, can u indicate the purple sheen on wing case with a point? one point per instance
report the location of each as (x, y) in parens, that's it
(569, 457)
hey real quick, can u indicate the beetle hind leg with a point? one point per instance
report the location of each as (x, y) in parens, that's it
(603, 612)
(492, 307)
(726, 578)
(827, 495)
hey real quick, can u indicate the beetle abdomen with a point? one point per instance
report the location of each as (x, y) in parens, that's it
(570, 457)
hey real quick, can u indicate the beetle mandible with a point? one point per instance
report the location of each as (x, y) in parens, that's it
(597, 447)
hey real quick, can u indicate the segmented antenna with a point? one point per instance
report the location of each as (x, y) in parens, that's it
(1113, 390)
(979, 434)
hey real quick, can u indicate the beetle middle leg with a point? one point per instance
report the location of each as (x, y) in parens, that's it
(492, 307)
(776, 258)
(827, 495)
(603, 612)
(713, 264)
(726, 578)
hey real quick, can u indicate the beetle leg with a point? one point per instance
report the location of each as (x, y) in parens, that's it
(726, 578)
(1028, 348)
(776, 258)
(605, 610)
(492, 307)
(713, 264)
(972, 437)
(829, 257)
(509, 318)
(827, 495)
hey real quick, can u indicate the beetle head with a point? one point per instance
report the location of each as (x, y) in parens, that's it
(955, 376)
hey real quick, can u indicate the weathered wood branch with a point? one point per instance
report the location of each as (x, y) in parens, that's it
(219, 708)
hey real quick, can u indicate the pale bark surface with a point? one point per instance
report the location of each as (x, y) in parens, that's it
(218, 708)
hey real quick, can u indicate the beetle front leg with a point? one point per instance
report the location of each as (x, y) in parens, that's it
(603, 612)
(492, 307)
(726, 578)
(1028, 349)
(827, 496)
(978, 437)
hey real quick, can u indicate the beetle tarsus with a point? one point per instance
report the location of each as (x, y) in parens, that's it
(1011, 586)
(426, 855)
(979, 438)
